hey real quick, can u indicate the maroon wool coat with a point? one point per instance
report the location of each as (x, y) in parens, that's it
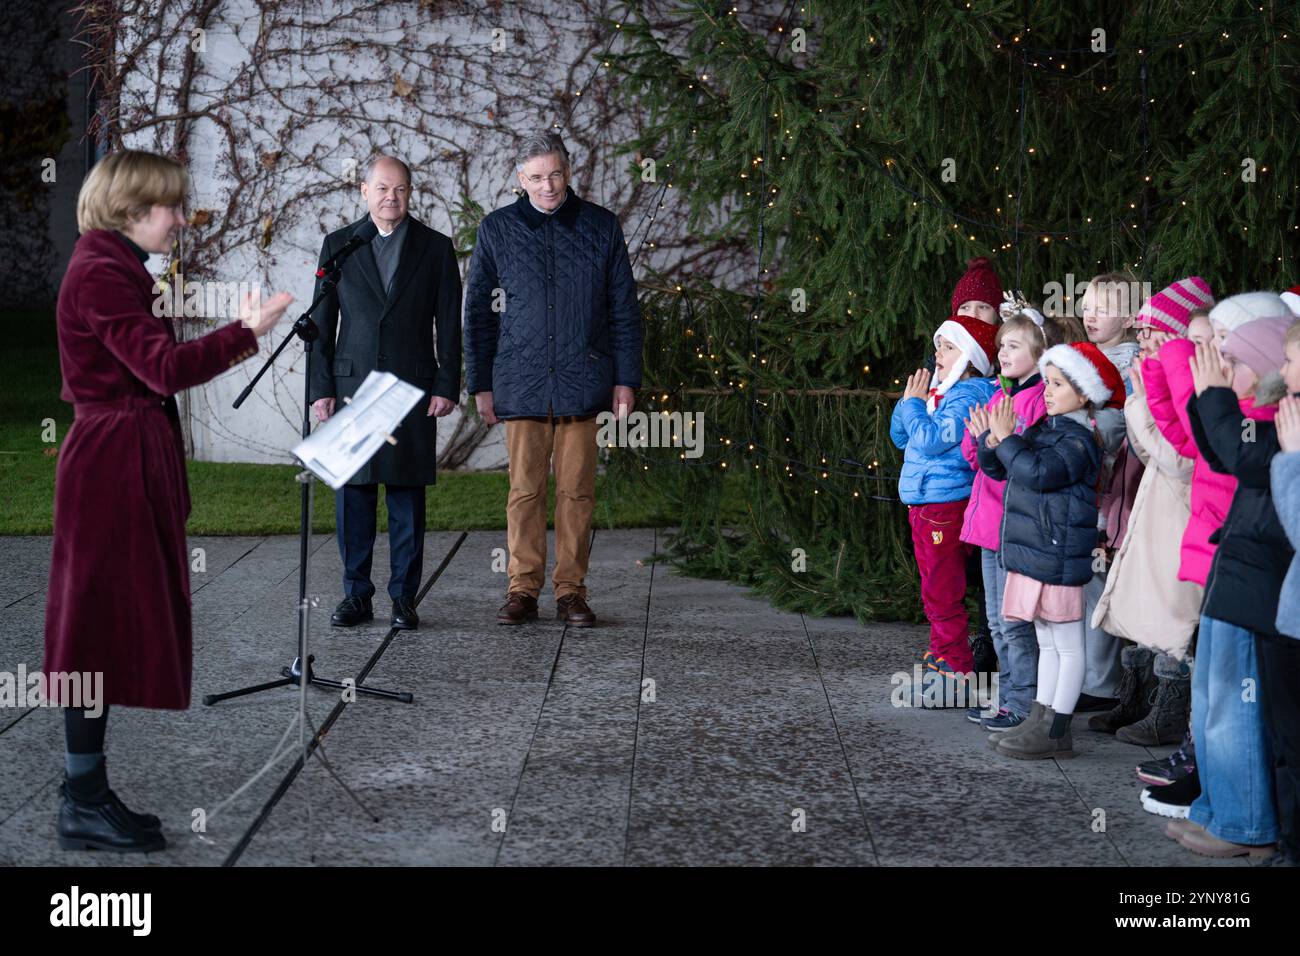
(119, 595)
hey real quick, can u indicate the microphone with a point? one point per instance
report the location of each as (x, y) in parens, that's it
(363, 235)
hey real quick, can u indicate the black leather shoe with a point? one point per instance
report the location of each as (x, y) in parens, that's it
(404, 615)
(352, 611)
(103, 823)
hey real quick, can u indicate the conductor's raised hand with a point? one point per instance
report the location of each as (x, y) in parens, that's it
(261, 317)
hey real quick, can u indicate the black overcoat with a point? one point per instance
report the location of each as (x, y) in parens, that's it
(413, 332)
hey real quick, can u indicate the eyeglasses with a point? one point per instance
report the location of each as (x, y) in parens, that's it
(557, 178)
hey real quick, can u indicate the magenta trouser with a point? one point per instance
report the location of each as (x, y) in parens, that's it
(941, 557)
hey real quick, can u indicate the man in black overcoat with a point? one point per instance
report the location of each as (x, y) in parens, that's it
(396, 309)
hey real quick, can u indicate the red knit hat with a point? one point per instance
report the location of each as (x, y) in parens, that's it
(980, 283)
(1088, 369)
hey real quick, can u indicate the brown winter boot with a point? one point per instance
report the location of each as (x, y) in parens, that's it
(1036, 714)
(1049, 737)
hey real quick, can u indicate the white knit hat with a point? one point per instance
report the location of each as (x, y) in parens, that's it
(1237, 310)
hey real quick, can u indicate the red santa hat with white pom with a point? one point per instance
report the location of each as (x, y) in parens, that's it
(975, 340)
(1088, 370)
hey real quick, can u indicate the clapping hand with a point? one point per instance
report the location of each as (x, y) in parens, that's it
(1135, 379)
(1209, 370)
(918, 385)
(1151, 339)
(1002, 420)
(1288, 423)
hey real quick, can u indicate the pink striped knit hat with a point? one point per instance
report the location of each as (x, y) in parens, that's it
(1167, 310)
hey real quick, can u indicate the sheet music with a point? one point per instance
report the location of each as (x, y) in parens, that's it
(337, 449)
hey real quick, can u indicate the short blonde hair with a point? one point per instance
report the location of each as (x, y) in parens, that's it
(1126, 284)
(1020, 322)
(123, 186)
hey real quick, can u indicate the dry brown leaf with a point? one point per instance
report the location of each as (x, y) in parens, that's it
(401, 88)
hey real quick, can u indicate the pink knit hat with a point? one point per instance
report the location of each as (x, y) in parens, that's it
(1167, 310)
(1260, 345)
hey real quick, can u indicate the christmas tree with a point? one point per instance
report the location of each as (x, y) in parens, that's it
(863, 152)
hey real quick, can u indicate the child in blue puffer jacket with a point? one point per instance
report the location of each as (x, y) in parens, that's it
(1049, 530)
(936, 480)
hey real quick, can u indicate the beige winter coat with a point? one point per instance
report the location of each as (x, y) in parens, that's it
(1144, 601)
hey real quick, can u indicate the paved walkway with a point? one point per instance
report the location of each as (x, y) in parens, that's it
(538, 745)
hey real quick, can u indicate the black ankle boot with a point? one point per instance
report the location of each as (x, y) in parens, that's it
(94, 818)
(97, 780)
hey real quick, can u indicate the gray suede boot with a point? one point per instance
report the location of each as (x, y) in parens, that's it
(1137, 688)
(1167, 721)
(1049, 737)
(1036, 714)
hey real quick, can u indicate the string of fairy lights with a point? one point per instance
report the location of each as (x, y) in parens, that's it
(800, 458)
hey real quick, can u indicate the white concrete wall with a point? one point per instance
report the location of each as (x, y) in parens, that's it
(454, 116)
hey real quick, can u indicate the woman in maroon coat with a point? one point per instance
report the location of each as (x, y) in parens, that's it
(119, 596)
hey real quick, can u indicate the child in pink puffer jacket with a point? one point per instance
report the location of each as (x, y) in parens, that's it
(1022, 338)
(1212, 491)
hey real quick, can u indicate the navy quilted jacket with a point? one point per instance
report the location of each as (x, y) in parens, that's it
(552, 322)
(1049, 507)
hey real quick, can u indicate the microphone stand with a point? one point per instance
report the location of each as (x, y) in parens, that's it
(308, 331)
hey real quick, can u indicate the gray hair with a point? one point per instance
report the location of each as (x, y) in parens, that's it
(381, 157)
(540, 144)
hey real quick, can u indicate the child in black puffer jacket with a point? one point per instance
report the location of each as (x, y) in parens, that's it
(1049, 530)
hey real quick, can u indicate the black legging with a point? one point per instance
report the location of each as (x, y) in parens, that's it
(84, 735)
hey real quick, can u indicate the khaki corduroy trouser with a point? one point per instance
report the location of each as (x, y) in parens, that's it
(534, 444)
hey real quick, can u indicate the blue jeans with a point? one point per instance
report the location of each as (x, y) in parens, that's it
(1015, 641)
(1232, 753)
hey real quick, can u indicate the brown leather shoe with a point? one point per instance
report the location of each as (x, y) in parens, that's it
(518, 609)
(1201, 841)
(573, 610)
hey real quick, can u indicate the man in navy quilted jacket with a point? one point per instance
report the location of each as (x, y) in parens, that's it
(552, 339)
